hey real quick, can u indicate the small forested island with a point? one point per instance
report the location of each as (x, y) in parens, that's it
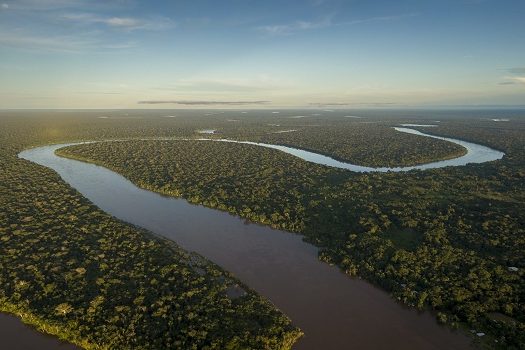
(449, 240)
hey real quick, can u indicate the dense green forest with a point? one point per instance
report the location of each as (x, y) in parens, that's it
(442, 239)
(71, 270)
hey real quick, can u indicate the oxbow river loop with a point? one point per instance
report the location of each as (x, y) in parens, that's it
(334, 310)
(475, 154)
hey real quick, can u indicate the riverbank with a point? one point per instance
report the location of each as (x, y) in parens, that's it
(195, 178)
(331, 308)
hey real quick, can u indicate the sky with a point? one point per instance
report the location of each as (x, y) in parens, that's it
(261, 54)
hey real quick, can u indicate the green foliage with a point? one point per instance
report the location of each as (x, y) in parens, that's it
(440, 239)
(73, 271)
(260, 186)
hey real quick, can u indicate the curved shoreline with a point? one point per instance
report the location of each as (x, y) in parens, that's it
(332, 308)
(299, 153)
(475, 154)
(30, 334)
(343, 160)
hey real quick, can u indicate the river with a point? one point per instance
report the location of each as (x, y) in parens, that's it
(334, 310)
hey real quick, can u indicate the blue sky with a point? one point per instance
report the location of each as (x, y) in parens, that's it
(243, 53)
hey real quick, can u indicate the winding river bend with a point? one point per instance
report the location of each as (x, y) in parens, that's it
(334, 311)
(475, 154)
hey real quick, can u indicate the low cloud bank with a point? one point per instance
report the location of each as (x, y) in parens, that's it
(203, 103)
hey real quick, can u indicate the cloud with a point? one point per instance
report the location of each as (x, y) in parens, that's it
(45, 5)
(287, 29)
(517, 76)
(518, 80)
(517, 70)
(340, 104)
(124, 23)
(55, 5)
(258, 83)
(46, 36)
(380, 18)
(204, 103)
(4, 6)
(325, 22)
(65, 43)
(99, 93)
(328, 104)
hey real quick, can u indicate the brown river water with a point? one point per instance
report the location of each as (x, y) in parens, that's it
(14, 335)
(334, 310)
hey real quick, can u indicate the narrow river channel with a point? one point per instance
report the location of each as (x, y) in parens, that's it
(474, 154)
